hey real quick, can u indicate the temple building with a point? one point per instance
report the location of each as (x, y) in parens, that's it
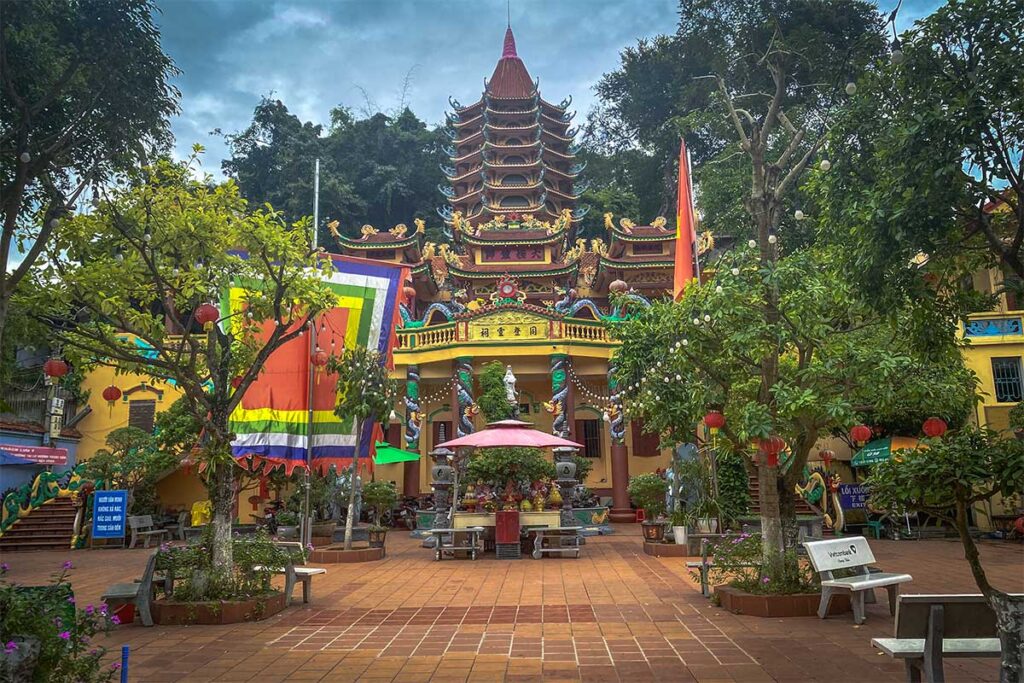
(514, 283)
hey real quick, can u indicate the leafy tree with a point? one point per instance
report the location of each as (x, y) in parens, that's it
(497, 467)
(928, 154)
(132, 462)
(946, 480)
(661, 92)
(176, 430)
(122, 286)
(86, 93)
(648, 491)
(493, 400)
(379, 170)
(381, 496)
(824, 361)
(365, 396)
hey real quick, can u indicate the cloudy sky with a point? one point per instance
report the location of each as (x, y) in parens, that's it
(316, 55)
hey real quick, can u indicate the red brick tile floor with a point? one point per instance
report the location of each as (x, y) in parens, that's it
(615, 614)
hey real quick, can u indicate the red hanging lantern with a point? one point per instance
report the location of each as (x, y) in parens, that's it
(860, 434)
(319, 360)
(827, 456)
(111, 395)
(771, 447)
(55, 367)
(934, 427)
(714, 420)
(207, 314)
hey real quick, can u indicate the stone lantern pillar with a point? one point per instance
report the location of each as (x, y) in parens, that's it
(565, 473)
(442, 480)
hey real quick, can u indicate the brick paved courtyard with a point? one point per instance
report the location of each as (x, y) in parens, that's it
(613, 615)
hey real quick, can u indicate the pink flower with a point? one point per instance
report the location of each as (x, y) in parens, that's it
(68, 565)
(115, 620)
(765, 580)
(65, 635)
(115, 666)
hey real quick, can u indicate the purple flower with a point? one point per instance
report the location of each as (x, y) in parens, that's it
(72, 599)
(4, 566)
(115, 666)
(164, 547)
(115, 620)
(765, 580)
(65, 635)
(88, 609)
(68, 565)
(309, 547)
(10, 647)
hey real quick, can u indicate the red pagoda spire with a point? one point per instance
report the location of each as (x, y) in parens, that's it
(510, 45)
(510, 79)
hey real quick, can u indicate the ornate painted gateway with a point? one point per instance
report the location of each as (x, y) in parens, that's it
(515, 283)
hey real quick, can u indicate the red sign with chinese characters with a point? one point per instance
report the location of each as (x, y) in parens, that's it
(39, 454)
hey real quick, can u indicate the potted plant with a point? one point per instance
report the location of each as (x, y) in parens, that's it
(379, 496)
(287, 525)
(706, 511)
(678, 520)
(647, 491)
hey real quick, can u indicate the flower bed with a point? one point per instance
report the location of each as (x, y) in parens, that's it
(337, 555)
(794, 605)
(171, 612)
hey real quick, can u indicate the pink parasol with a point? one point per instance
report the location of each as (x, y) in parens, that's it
(509, 434)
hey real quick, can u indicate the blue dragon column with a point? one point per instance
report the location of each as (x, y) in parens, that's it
(465, 409)
(559, 406)
(411, 470)
(621, 511)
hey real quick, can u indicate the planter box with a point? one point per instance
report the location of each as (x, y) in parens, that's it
(798, 605)
(169, 612)
(809, 526)
(339, 556)
(665, 550)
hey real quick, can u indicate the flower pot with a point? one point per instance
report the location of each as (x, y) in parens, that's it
(20, 663)
(289, 533)
(707, 525)
(679, 534)
(125, 613)
(324, 529)
(654, 532)
(376, 537)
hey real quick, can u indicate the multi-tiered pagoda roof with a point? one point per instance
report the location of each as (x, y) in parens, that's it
(512, 152)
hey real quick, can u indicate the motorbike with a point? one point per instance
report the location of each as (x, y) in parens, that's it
(270, 515)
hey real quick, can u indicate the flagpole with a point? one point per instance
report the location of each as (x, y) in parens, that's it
(307, 527)
(693, 204)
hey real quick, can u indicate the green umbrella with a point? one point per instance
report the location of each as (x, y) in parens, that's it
(387, 454)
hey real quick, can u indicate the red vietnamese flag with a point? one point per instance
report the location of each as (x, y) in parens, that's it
(685, 221)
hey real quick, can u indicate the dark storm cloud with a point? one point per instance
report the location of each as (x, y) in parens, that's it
(317, 55)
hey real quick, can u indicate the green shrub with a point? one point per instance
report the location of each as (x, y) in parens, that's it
(739, 562)
(381, 496)
(498, 466)
(648, 491)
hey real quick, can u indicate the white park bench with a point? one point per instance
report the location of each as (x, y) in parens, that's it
(142, 526)
(931, 627)
(850, 553)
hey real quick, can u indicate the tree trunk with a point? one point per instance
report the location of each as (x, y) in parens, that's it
(350, 517)
(1009, 610)
(4, 305)
(222, 494)
(773, 541)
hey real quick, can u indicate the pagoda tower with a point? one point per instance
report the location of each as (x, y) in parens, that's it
(512, 152)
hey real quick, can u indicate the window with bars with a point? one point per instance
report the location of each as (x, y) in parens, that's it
(1006, 375)
(588, 433)
(142, 414)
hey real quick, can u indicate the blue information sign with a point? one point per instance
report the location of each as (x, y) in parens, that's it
(853, 496)
(109, 509)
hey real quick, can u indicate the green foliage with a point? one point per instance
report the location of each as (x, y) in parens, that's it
(584, 466)
(1016, 416)
(696, 484)
(380, 170)
(967, 466)
(647, 491)
(658, 92)
(496, 467)
(923, 149)
(381, 496)
(133, 462)
(196, 579)
(64, 632)
(837, 359)
(288, 518)
(739, 563)
(87, 94)
(176, 430)
(365, 393)
(733, 486)
(493, 400)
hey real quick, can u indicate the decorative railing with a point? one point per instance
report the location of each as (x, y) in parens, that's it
(20, 502)
(1001, 326)
(454, 333)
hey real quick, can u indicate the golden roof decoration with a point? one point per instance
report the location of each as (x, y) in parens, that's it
(368, 230)
(429, 250)
(575, 252)
(332, 227)
(399, 230)
(627, 225)
(421, 225)
(659, 223)
(705, 242)
(608, 224)
(598, 246)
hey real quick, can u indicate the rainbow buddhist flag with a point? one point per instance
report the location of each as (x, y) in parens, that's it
(272, 422)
